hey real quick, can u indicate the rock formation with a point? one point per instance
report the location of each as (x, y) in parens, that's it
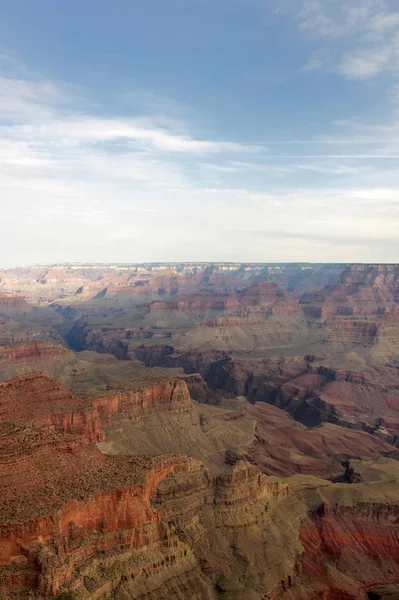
(32, 352)
(12, 302)
(73, 518)
(257, 317)
(64, 502)
(280, 481)
(124, 284)
(362, 290)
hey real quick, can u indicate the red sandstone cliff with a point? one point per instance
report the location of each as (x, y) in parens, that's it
(64, 501)
(266, 294)
(32, 352)
(12, 302)
(362, 290)
(74, 518)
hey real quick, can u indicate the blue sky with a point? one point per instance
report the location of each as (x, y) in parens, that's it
(192, 130)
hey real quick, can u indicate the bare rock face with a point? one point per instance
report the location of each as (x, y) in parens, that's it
(363, 290)
(143, 398)
(196, 302)
(32, 352)
(41, 284)
(300, 279)
(311, 392)
(124, 284)
(255, 317)
(265, 293)
(75, 519)
(97, 498)
(12, 302)
(332, 538)
(47, 356)
(34, 400)
(352, 399)
(135, 283)
(65, 504)
(378, 333)
(345, 413)
(242, 483)
(352, 331)
(261, 315)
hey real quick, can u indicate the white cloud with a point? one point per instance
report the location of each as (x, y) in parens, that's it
(360, 38)
(370, 61)
(89, 130)
(21, 99)
(313, 64)
(79, 186)
(339, 18)
(42, 111)
(314, 18)
(385, 21)
(48, 149)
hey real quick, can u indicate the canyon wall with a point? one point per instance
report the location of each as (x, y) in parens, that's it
(74, 518)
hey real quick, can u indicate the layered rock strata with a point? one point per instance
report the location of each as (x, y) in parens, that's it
(362, 290)
(75, 519)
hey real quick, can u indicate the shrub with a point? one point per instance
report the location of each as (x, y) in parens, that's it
(66, 596)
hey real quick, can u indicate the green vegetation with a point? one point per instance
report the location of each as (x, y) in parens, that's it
(66, 596)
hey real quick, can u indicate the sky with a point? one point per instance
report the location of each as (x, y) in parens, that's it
(199, 130)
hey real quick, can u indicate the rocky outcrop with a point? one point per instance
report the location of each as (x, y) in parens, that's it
(12, 302)
(191, 361)
(312, 393)
(244, 484)
(258, 522)
(156, 356)
(341, 543)
(34, 400)
(352, 331)
(261, 315)
(92, 535)
(89, 502)
(378, 333)
(359, 399)
(42, 285)
(196, 302)
(144, 396)
(198, 389)
(110, 526)
(265, 293)
(123, 284)
(299, 279)
(68, 508)
(31, 352)
(146, 282)
(362, 290)
(82, 337)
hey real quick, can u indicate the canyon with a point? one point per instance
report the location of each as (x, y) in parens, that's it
(199, 431)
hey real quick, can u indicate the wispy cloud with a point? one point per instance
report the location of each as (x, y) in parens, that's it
(22, 100)
(49, 145)
(80, 185)
(338, 18)
(370, 61)
(313, 17)
(144, 132)
(359, 39)
(313, 64)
